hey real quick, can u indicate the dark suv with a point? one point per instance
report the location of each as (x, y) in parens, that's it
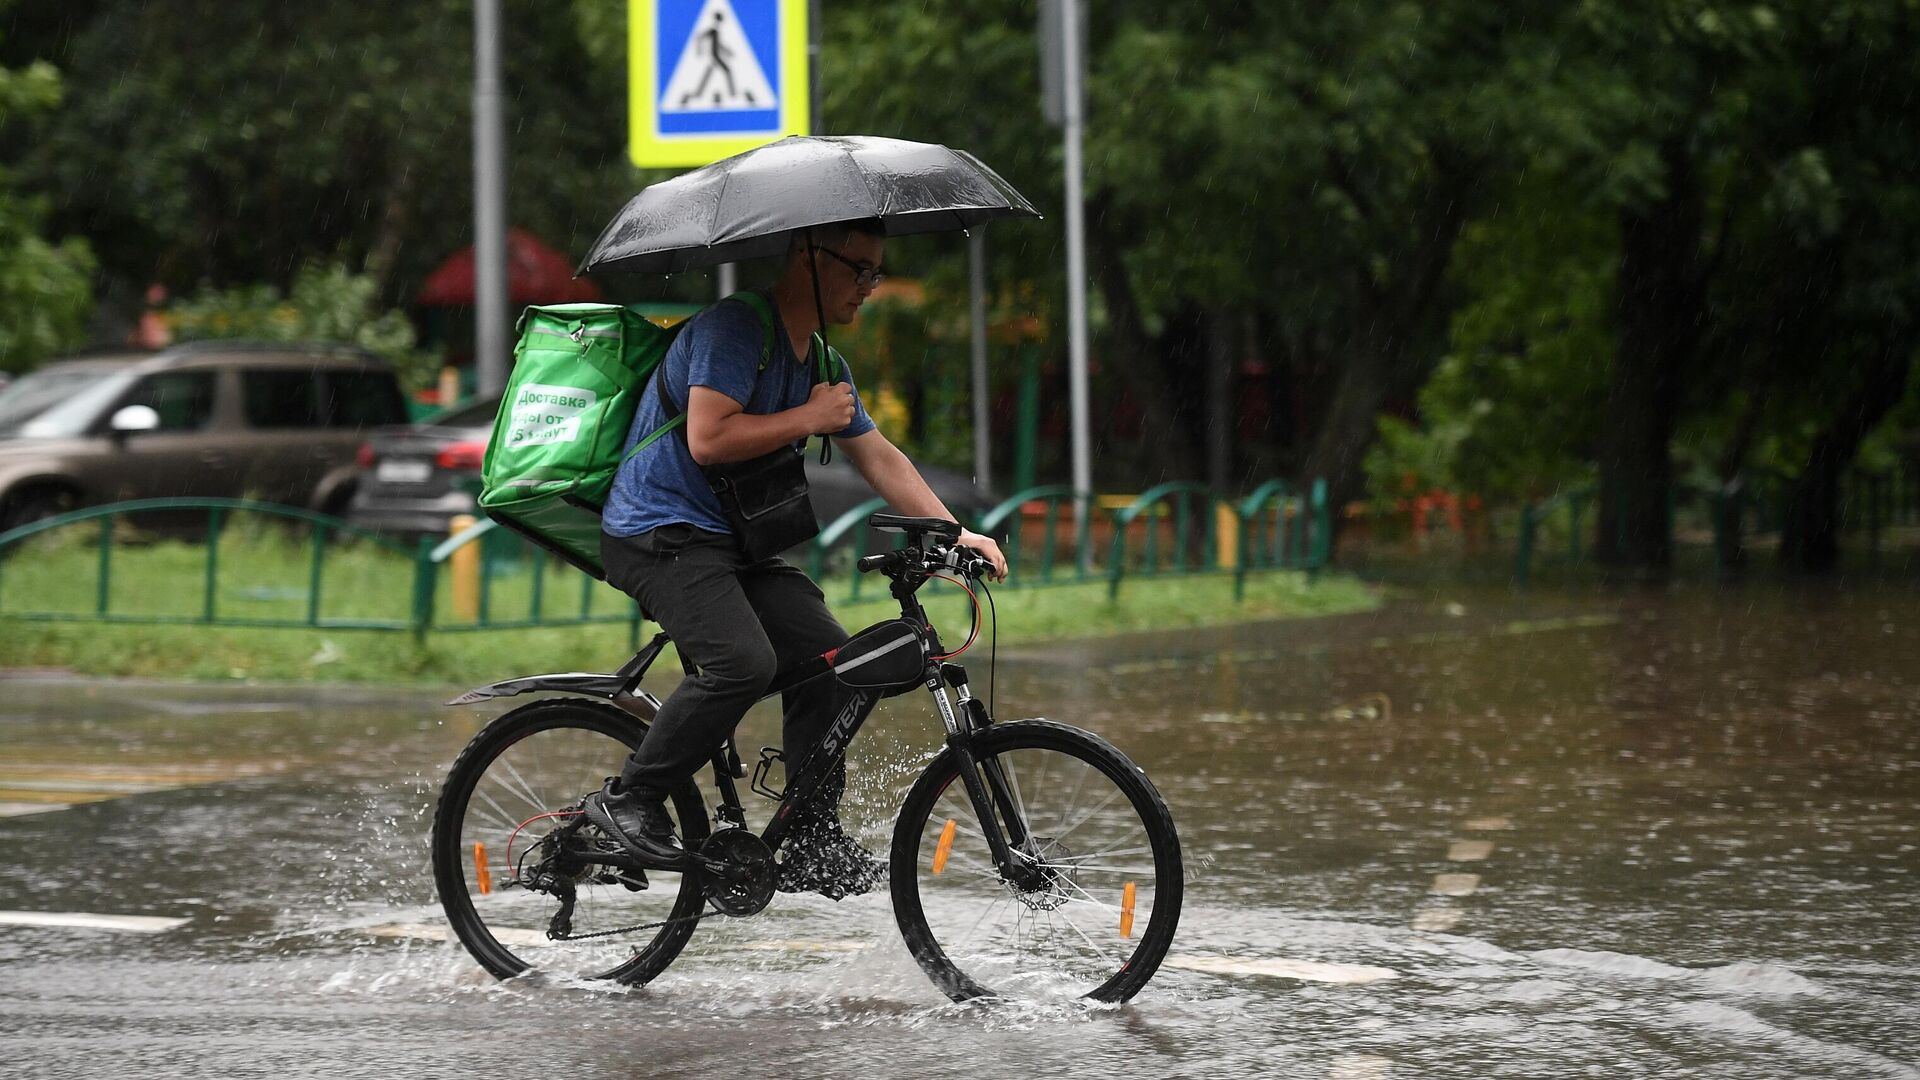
(276, 422)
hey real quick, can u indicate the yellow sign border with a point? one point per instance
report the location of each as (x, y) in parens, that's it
(649, 149)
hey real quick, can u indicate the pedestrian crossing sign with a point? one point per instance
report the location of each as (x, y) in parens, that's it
(712, 78)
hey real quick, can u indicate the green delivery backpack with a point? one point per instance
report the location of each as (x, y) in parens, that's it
(578, 373)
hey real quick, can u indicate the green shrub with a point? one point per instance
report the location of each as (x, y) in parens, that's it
(326, 303)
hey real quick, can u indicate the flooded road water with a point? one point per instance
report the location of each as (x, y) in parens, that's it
(1471, 835)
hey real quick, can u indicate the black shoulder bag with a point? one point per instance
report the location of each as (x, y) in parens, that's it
(765, 498)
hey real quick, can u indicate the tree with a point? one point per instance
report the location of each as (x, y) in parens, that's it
(208, 142)
(45, 287)
(1720, 137)
(1305, 172)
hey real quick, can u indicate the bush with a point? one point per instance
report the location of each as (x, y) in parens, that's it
(327, 303)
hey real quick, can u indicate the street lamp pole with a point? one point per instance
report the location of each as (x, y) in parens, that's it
(489, 204)
(1070, 46)
(977, 334)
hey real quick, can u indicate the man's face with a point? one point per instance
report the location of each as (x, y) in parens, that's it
(841, 293)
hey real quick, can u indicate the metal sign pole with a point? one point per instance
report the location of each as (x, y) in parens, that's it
(982, 411)
(1070, 45)
(489, 204)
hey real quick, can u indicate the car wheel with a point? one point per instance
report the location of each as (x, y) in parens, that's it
(336, 504)
(35, 504)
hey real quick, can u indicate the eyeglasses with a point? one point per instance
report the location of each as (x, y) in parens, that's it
(864, 276)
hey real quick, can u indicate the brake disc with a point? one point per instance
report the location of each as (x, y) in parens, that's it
(745, 882)
(1051, 883)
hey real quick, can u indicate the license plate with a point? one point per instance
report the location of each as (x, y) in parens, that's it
(403, 472)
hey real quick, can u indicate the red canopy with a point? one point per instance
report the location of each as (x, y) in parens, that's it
(536, 274)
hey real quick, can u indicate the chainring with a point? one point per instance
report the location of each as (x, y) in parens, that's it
(748, 885)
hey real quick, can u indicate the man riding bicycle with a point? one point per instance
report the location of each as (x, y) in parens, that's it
(667, 542)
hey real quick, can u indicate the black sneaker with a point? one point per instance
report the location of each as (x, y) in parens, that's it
(639, 824)
(823, 859)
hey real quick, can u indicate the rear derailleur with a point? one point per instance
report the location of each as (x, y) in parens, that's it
(567, 856)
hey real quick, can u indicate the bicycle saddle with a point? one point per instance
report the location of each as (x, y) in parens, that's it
(940, 527)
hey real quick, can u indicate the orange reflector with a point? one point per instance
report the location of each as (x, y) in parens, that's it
(946, 847)
(480, 869)
(1126, 911)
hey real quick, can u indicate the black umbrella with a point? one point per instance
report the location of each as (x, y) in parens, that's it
(746, 206)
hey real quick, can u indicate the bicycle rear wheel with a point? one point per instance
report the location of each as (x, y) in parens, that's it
(509, 796)
(1091, 908)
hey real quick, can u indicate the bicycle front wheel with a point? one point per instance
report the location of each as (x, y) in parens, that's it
(1088, 906)
(506, 837)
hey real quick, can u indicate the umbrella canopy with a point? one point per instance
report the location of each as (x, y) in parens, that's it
(536, 274)
(744, 207)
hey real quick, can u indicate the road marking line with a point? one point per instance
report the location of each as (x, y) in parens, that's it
(505, 935)
(164, 775)
(88, 787)
(1437, 919)
(1359, 1067)
(140, 924)
(1455, 884)
(1308, 970)
(1488, 824)
(1469, 850)
(10, 808)
(522, 938)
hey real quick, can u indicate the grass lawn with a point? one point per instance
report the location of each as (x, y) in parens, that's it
(266, 573)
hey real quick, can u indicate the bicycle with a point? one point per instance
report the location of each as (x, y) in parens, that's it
(1030, 877)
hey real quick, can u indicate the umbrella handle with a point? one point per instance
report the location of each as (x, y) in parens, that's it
(820, 336)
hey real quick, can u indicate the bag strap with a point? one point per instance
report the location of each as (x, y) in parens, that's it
(677, 419)
(764, 308)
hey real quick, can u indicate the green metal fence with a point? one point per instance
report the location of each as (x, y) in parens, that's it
(1754, 506)
(256, 564)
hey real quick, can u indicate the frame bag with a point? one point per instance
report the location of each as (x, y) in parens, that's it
(889, 655)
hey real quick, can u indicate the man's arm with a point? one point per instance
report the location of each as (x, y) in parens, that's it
(719, 429)
(893, 477)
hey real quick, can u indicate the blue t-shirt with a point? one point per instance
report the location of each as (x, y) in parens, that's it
(719, 349)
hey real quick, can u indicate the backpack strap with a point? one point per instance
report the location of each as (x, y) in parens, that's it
(762, 307)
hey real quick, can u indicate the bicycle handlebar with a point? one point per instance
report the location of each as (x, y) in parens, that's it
(965, 561)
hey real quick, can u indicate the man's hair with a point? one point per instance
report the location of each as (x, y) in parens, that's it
(835, 234)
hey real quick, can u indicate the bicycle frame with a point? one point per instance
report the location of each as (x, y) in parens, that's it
(962, 714)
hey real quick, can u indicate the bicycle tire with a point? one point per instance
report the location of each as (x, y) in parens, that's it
(912, 884)
(586, 724)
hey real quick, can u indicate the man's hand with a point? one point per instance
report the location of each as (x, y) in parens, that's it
(829, 408)
(985, 545)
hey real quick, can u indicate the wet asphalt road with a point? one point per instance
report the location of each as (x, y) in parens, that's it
(1472, 835)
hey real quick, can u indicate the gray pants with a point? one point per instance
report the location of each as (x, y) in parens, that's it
(739, 622)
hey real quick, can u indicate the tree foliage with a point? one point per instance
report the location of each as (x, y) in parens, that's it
(1648, 241)
(326, 303)
(45, 288)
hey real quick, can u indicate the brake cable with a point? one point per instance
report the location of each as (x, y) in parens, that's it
(974, 631)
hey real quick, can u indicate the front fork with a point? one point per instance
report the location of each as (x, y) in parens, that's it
(985, 781)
